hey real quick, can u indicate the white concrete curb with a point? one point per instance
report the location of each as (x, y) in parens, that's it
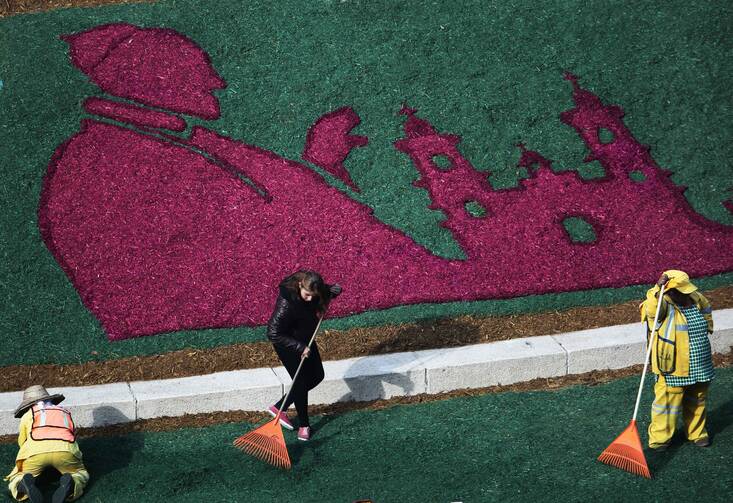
(366, 378)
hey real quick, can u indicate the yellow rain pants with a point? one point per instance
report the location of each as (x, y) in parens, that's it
(63, 461)
(671, 402)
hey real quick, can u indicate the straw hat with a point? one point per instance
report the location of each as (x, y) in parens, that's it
(680, 281)
(36, 394)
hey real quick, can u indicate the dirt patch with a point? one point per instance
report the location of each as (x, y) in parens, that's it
(202, 420)
(334, 345)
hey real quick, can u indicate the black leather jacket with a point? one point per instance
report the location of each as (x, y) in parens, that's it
(293, 321)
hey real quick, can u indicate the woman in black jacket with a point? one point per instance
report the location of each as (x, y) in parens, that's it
(303, 299)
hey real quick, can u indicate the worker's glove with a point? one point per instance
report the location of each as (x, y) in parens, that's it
(335, 290)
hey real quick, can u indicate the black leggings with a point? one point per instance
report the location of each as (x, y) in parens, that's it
(310, 376)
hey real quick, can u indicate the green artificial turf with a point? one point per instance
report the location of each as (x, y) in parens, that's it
(509, 447)
(489, 71)
(579, 230)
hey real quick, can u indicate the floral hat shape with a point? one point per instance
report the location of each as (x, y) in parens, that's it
(154, 66)
(34, 394)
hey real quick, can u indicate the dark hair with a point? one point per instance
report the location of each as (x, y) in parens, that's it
(311, 281)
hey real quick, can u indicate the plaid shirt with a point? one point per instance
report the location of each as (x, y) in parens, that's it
(701, 357)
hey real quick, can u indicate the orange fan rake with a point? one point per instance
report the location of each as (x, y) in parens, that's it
(267, 442)
(626, 451)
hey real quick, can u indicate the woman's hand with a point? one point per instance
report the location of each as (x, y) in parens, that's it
(306, 352)
(663, 279)
(335, 290)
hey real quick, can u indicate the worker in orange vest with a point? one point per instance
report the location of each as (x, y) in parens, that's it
(47, 438)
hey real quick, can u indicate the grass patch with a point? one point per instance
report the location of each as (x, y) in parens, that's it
(534, 446)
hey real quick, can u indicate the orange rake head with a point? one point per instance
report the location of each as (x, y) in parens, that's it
(626, 453)
(266, 443)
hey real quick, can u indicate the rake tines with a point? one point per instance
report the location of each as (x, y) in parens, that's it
(266, 443)
(627, 453)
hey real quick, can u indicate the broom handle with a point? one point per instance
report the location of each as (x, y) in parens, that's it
(302, 360)
(648, 352)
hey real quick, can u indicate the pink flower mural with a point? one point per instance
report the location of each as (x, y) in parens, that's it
(159, 232)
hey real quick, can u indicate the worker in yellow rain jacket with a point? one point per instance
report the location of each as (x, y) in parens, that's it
(681, 359)
(47, 438)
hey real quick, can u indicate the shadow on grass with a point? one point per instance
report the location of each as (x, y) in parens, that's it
(658, 460)
(365, 383)
(104, 455)
(299, 450)
(720, 418)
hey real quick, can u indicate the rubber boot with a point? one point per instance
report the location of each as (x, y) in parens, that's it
(66, 484)
(28, 486)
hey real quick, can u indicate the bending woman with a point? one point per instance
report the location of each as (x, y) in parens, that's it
(302, 300)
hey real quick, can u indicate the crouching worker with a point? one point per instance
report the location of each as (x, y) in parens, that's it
(47, 439)
(681, 359)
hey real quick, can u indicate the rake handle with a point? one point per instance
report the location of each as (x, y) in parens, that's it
(648, 352)
(300, 366)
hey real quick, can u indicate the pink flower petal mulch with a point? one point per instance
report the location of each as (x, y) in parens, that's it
(159, 233)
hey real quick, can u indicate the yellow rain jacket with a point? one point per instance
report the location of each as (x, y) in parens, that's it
(30, 447)
(671, 342)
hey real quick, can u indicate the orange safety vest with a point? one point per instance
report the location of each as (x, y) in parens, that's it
(51, 422)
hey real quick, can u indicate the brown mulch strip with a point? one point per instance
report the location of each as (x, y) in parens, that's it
(334, 345)
(203, 420)
(12, 7)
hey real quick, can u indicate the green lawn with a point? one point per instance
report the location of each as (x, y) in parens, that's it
(489, 71)
(538, 446)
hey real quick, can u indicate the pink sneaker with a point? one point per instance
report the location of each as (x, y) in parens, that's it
(304, 433)
(284, 421)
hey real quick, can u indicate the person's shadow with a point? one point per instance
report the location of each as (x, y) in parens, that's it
(658, 460)
(369, 380)
(105, 454)
(718, 420)
(389, 377)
